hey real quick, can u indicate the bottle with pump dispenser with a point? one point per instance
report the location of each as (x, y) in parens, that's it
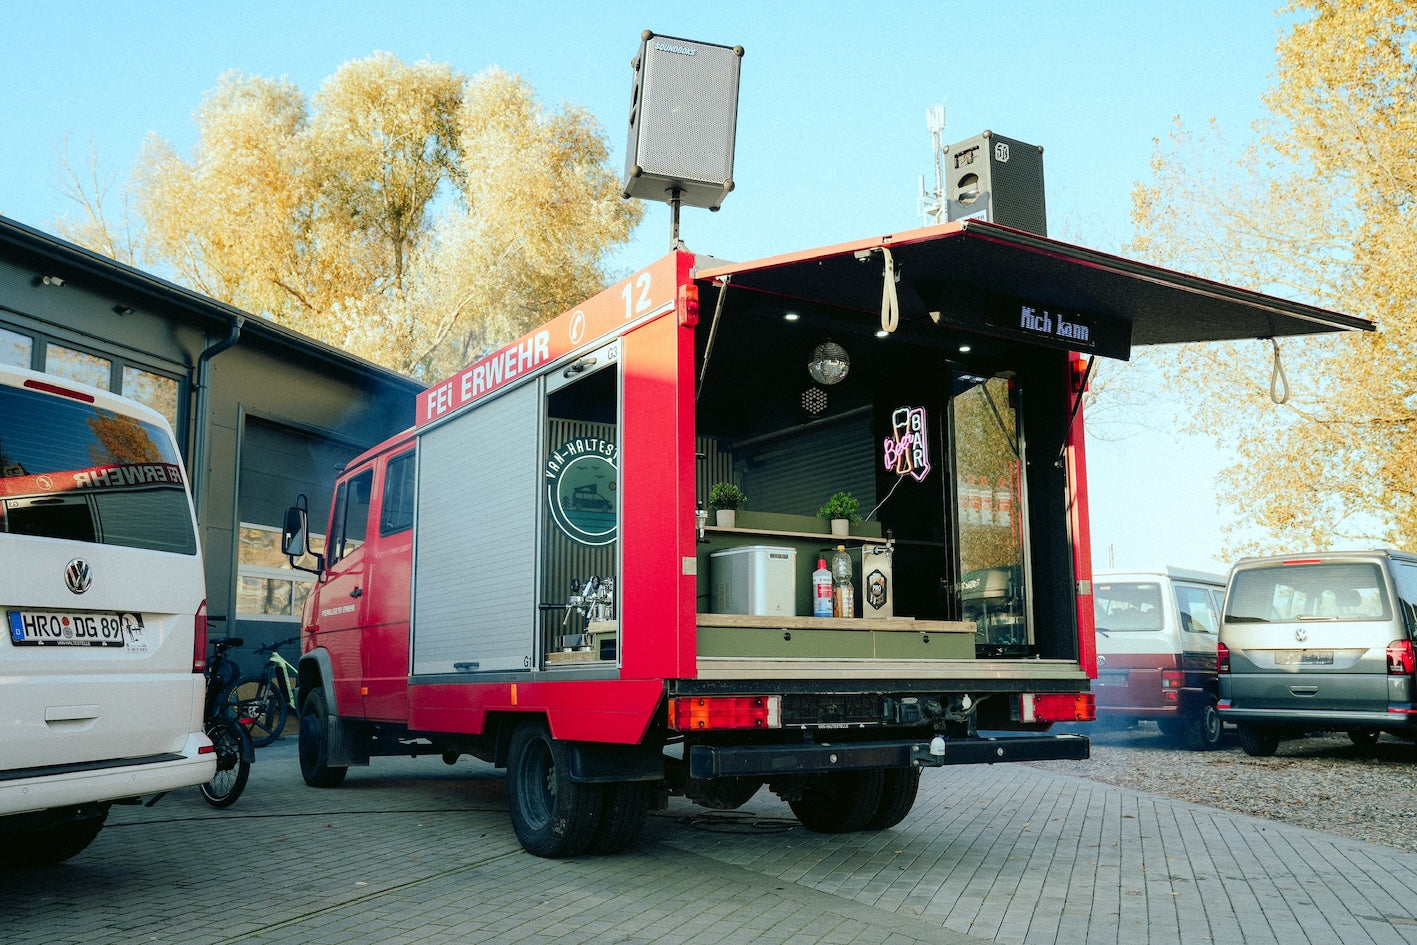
(821, 589)
(843, 591)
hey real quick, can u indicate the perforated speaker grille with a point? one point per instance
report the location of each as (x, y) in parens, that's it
(683, 121)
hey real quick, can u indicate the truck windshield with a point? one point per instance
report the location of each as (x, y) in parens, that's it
(1127, 605)
(1321, 591)
(76, 471)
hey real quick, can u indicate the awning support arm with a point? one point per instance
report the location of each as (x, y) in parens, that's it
(1077, 405)
(713, 330)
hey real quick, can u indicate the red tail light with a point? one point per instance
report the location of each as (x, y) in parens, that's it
(1222, 658)
(1171, 682)
(1401, 660)
(1056, 707)
(703, 713)
(199, 640)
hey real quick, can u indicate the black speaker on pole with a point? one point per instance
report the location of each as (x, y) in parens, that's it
(991, 177)
(683, 118)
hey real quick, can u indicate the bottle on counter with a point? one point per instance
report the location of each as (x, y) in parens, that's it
(843, 591)
(821, 590)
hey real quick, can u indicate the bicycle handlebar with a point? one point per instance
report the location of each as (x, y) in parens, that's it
(272, 647)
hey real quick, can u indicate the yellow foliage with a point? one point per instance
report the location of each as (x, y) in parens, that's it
(405, 212)
(1320, 208)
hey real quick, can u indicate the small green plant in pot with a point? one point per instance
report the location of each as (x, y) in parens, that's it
(841, 510)
(726, 499)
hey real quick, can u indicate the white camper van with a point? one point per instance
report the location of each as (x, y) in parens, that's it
(103, 595)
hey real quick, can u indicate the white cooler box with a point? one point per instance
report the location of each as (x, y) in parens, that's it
(754, 579)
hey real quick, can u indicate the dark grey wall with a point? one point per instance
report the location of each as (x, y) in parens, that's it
(281, 411)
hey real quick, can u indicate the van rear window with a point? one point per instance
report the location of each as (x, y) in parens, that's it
(1319, 591)
(1127, 605)
(76, 471)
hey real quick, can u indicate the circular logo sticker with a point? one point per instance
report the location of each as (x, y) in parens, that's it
(581, 489)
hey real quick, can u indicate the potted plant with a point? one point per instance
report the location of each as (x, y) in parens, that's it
(841, 510)
(726, 499)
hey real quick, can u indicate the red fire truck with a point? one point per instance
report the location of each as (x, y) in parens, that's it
(529, 574)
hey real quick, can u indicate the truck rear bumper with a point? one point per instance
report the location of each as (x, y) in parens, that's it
(718, 761)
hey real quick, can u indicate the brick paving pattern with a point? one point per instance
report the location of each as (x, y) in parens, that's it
(414, 851)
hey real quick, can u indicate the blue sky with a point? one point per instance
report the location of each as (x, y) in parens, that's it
(831, 137)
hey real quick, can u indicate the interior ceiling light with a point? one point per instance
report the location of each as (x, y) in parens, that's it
(829, 363)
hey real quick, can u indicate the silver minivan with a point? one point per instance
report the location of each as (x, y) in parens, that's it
(1319, 642)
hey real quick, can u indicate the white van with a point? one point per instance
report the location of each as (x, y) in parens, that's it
(1156, 642)
(103, 594)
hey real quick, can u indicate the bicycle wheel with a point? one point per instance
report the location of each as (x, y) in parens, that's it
(232, 768)
(256, 700)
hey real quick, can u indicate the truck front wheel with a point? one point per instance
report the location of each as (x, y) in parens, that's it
(552, 815)
(315, 765)
(839, 801)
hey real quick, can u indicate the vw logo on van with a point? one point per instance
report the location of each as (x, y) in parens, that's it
(1301, 634)
(77, 576)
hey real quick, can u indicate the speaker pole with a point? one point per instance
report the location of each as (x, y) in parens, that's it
(676, 197)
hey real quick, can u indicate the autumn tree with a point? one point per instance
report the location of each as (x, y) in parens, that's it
(405, 212)
(1319, 207)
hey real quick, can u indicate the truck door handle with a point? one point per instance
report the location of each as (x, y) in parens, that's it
(1304, 690)
(356, 593)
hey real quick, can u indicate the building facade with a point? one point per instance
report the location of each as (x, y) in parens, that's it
(261, 413)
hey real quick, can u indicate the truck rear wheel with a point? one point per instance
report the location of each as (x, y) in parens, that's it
(623, 816)
(898, 790)
(839, 801)
(723, 793)
(552, 815)
(315, 765)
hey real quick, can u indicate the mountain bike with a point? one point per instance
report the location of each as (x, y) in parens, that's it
(264, 702)
(224, 727)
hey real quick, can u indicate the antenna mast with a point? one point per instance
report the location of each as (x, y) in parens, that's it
(932, 202)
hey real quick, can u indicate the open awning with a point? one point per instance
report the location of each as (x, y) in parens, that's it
(993, 279)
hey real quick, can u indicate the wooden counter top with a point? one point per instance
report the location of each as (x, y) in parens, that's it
(908, 624)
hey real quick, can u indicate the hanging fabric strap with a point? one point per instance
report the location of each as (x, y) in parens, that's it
(890, 303)
(1278, 380)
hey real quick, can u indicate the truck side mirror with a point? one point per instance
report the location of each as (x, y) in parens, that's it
(295, 536)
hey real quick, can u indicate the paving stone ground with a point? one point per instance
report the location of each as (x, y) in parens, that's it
(416, 851)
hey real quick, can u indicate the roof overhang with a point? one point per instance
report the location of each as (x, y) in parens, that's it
(993, 279)
(110, 277)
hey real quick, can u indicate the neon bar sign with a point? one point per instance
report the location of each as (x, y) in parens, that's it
(906, 451)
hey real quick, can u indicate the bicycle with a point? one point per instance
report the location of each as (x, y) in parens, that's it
(264, 702)
(229, 738)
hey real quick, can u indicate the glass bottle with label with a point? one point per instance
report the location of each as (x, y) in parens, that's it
(843, 591)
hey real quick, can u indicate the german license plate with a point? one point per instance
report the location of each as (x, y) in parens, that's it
(1303, 658)
(59, 628)
(1112, 677)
